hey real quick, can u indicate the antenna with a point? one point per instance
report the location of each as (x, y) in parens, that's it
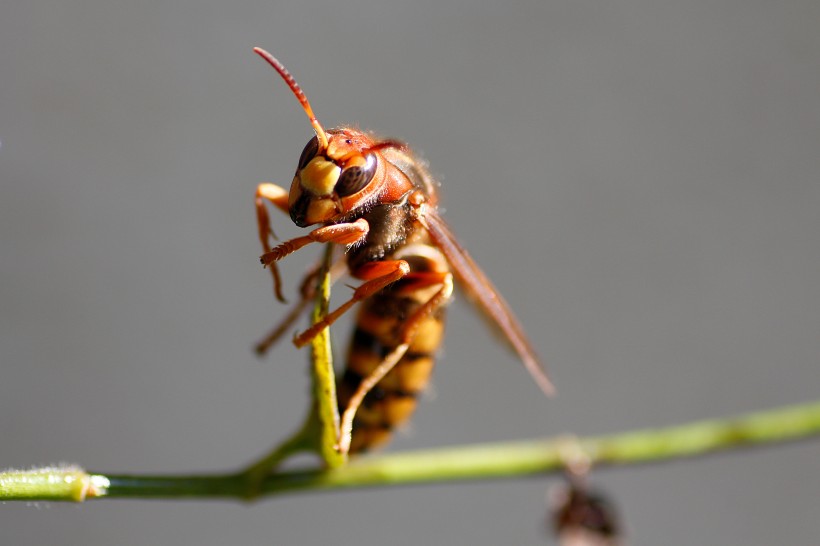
(300, 95)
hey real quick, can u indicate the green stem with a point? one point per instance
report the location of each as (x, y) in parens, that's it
(478, 462)
(325, 408)
(320, 430)
(58, 483)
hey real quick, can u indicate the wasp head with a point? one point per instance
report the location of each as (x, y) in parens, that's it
(335, 169)
(330, 182)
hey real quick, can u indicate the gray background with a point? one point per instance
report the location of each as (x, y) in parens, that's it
(640, 179)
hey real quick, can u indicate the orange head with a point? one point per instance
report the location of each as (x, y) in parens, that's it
(339, 170)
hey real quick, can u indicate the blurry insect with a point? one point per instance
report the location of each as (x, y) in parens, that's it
(376, 199)
(584, 517)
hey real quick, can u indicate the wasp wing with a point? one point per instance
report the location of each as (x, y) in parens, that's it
(483, 294)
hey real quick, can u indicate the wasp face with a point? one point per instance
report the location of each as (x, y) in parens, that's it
(327, 181)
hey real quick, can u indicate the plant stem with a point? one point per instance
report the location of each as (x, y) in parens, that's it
(57, 483)
(320, 430)
(477, 462)
(325, 407)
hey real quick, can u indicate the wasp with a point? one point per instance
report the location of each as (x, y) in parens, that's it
(377, 200)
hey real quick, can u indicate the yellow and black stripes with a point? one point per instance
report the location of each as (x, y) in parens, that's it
(392, 401)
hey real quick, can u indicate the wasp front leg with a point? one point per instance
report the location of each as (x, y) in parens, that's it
(278, 196)
(342, 234)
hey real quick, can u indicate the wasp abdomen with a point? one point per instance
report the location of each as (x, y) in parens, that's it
(378, 331)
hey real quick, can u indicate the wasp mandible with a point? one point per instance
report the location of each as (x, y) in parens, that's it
(376, 199)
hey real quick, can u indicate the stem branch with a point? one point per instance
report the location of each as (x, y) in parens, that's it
(477, 462)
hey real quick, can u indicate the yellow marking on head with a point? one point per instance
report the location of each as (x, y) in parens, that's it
(320, 176)
(320, 210)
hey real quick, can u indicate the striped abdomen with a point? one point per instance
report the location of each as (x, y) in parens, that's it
(380, 320)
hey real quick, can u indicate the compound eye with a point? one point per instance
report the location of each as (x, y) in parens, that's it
(310, 151)
(356, 177)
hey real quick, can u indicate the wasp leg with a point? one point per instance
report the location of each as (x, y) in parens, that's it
(279, 197)
(342, 234)
(412, 282)
(307, 292)
(377, 274)
(418, 281)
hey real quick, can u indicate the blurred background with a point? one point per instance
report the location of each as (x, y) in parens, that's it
(639, 178)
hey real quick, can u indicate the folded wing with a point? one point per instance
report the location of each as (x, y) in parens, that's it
(483, 294)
